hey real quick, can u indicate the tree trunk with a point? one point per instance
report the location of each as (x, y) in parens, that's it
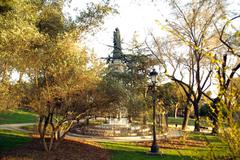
(165, 118)
(158, 120)
(87, 121)
(186, 117)
(5, 73)
(166, 115)
(175, 112)
(62, 135)
(40, 126)
(129, 119)
(196, 118)
(215, 129)
(20, 77)
(144, 120)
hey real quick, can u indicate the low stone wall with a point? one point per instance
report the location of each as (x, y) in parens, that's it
(112, 130)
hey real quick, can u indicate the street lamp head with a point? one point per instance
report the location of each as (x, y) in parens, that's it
(153, 75)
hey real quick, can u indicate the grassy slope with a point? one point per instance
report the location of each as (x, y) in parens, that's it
(11, 139)
(128, 151)
(12, 117)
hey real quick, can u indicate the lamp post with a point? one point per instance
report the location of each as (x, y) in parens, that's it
(153, 76)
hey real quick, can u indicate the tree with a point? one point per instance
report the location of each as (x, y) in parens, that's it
(113, 94)
(55, 92)
(17, 31)
(228, 118)
(172, 97)
(135, 80)
(130, 70)
(60, 84)
(138, 65)
(227, 64)
(192, 37)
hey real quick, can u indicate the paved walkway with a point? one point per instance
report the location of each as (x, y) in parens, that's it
(16, 127)
(170, 134)
(190, 128)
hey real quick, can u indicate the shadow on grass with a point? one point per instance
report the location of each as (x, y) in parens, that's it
(137, 155)
(126, 151)
(11, 139)
(213, 139)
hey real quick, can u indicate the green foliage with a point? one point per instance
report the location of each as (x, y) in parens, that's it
(112, 92)
(136, 104)
(171, 96)
(93, 16)
(51, 20)
(45, 38)
(193, 35)
(136, 79)
(129, 84)
(228, 119)
(205, 110)
(39, 42)
(17, 31)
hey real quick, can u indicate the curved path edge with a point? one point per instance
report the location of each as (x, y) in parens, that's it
(170, 134)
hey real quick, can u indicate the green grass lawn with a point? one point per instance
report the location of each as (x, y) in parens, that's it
(134, 151)
(11, 139)
(17, 116)
(179, 120)
(131, 151)
(128, 151)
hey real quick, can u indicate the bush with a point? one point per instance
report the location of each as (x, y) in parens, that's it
(205, 111)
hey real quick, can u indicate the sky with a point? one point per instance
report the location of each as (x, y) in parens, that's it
(135, 16)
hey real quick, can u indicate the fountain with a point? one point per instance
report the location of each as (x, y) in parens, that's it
(113, 127)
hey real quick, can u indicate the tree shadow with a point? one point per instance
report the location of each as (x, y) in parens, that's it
(140, 155)
(67, 150)
(10, 139)
(126, 151)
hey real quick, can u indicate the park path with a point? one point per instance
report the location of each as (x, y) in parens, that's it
(16, 127)
(170, 134)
